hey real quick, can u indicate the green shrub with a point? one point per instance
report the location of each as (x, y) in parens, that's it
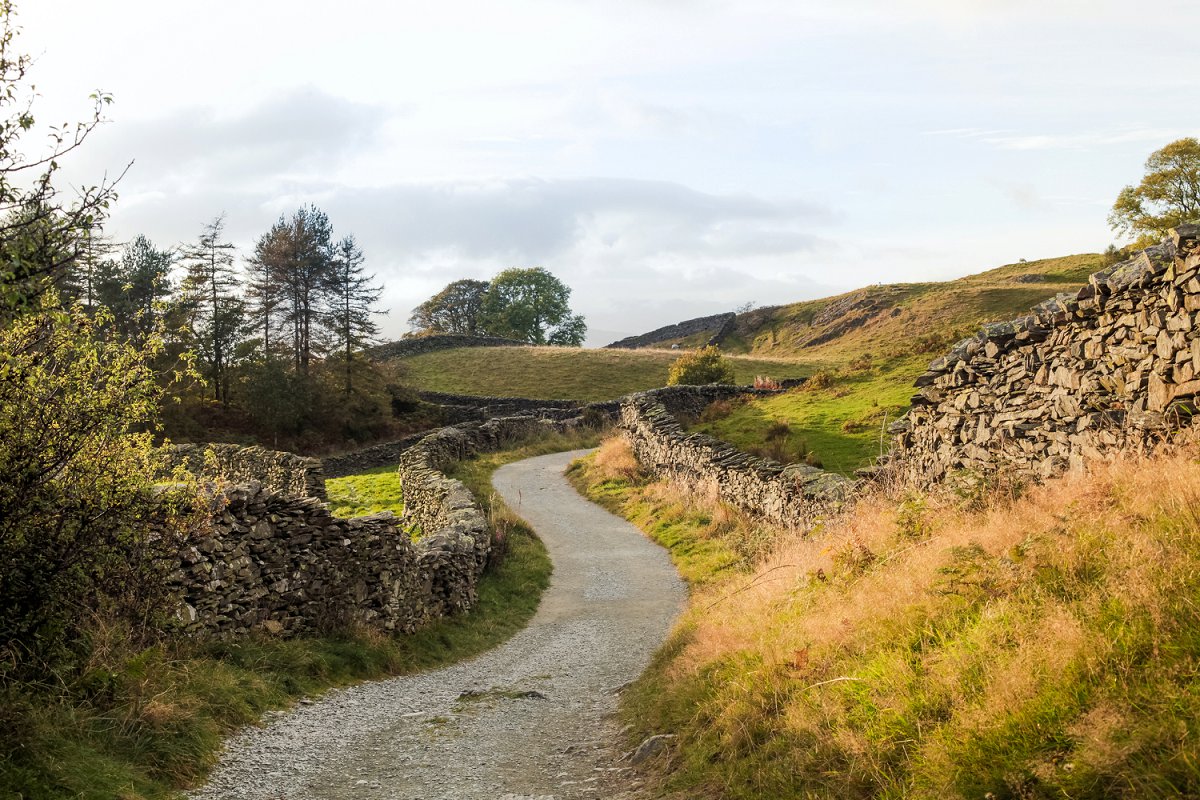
(76, 496)
(700, 367)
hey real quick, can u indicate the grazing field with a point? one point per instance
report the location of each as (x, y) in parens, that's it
(836, 421)
(563, 373)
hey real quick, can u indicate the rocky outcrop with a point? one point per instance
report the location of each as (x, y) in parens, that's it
(404, 348)
(1113, 367)
(718, 325)
(795, 495)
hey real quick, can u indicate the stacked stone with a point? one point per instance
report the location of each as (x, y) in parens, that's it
(285, 565)
(1113, 367)
(483, 407)
(275, 559)
(795, 495)
(285, 473)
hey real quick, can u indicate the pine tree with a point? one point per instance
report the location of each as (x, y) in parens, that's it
(210, 293)
(134, 285)
(351, 293)
(291, 264)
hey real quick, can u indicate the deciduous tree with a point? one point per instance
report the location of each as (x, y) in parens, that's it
(41, 233)
(531, 305)
(1168, 195)
(455, 309)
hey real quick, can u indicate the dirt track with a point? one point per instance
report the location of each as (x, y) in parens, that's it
(531, 719)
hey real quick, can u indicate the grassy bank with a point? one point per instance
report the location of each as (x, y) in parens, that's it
(142, 724)
(563, 373)
(939, 646)
(835, 421)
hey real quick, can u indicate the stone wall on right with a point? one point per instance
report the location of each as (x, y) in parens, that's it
(1114, 367)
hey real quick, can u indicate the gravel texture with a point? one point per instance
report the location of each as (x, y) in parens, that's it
(531, 719)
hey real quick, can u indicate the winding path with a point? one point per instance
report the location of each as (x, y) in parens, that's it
(532, 719)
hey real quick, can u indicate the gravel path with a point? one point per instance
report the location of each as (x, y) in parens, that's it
(529, 720)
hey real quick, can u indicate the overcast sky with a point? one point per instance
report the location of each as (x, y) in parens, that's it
(664, 158)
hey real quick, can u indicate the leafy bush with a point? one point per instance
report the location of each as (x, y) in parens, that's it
(700, 367)
(76, 496)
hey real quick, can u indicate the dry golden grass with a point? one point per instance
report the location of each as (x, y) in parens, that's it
(1042, 646)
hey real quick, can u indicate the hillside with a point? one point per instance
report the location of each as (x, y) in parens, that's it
(870, 345)
(899, 319)
(563, 373)
(928, 645)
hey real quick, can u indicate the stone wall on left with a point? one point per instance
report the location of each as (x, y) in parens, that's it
(275, 559)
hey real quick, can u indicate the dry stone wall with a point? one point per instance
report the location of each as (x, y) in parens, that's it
(275, 559)
(1114, 367)
(284, 473)
(795, 495)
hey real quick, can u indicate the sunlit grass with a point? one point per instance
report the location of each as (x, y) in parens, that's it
(367, 492)
(928, 647)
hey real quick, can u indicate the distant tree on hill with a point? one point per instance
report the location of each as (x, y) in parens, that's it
(1168, 195)
(455, 309)
(531, 305)
(700, 367)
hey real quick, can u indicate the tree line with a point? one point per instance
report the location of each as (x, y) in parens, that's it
(529, 305)
(271, 335)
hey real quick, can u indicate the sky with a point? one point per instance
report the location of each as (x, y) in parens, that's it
(665, 159)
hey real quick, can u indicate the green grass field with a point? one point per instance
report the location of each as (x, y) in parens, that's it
(840, 425)
(366, 493)
(563, 373)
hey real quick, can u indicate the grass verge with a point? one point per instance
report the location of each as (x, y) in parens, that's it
(996, 644)
(144, 724)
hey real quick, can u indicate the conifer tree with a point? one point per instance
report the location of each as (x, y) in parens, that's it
(351, 293)
(218, 313)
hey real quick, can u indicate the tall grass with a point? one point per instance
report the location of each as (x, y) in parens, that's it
(1044, 645)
